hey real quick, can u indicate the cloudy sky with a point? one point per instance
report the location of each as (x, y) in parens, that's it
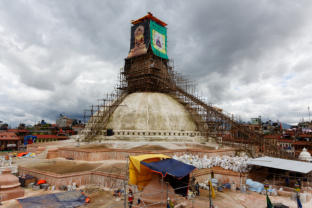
(248, 57)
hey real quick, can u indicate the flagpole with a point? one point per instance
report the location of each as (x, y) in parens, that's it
(269, 203)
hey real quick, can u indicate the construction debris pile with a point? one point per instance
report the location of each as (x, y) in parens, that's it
(237, 164)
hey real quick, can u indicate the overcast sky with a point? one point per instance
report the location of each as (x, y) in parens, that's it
(248, 57)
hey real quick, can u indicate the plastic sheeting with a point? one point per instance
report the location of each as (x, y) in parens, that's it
(254, 186)
(237, 164)
(170, 166)
(58, 200)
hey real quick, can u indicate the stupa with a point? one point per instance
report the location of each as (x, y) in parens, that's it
(305, 155)
(9, 186)
(152, 102)
(146, 107)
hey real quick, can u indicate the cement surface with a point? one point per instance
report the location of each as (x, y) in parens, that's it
(151, 111)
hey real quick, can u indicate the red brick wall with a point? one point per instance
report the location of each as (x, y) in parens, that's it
(122, 154)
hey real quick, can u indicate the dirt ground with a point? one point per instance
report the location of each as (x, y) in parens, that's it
(226, 199)
(62, 167)
(231, 199)
(104, 199)
(117, 167)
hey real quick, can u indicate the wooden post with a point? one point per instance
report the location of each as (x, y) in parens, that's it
(125, 195)
(273, 179)
(162, 190)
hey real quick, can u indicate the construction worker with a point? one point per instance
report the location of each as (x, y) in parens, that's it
(130, 198)
(139, 199)
(170, 203)
(197, 189)
(193, 184)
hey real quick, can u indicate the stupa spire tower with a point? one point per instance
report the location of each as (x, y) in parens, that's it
(146, 66)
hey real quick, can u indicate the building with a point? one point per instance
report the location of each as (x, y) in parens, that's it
(287, 145)
(281, 172)
(9, 141)
(64, 121)
(21, 133)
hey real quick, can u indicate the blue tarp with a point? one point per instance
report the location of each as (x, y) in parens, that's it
(170, 166)
(254, 186)
(58, 200)
(29, 137)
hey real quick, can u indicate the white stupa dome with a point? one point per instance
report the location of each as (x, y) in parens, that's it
(305, 155)
(151, 111)
(151, 116)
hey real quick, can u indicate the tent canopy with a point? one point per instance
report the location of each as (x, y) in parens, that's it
(139, 174)
(170, 166)
(174, 172)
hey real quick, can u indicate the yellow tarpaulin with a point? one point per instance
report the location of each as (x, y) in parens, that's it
(139, 174)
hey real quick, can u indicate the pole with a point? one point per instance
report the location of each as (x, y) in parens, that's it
(210, 200)
(167, 195)
(162, 190)
(125, 185)
(125, 195)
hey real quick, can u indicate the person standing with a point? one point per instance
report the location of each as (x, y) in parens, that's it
(130, 198)
(197, 189)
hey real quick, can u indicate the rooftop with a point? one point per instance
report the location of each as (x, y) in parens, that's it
(50, 136)
(149, 16)
(282, 164)
(8, 136)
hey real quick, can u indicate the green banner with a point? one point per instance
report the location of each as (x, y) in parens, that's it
(158, 39)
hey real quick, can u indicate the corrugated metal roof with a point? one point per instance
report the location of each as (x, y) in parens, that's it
(282, 164)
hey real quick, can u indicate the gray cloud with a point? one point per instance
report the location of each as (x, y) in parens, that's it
(249, 57)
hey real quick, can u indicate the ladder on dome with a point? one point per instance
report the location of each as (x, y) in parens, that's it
(98, 120)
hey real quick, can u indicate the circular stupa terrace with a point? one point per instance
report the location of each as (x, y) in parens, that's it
(104, 164)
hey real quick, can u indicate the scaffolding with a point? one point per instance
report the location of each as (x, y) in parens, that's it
(98, 115)
(150, 73)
